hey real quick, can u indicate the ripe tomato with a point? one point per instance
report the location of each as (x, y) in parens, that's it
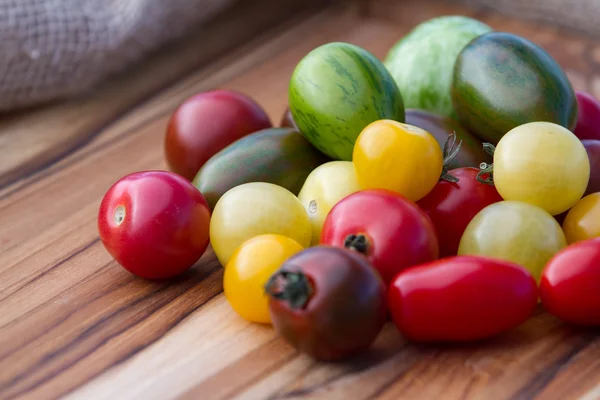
(588, 116)
(254, 209)
(583, 220)
(206, 123)
(323, 188)
(154, 223)
(543, 164)
(398, 157)
(461, 299)
(570, 285)
(452, 205)
(514, 231)
(248, 271)
(327, 302)
(592, 147)
(390, 230)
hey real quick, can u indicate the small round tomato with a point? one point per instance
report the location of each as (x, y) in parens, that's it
(461, 299)
(254, 209)
(327, 302)
(543, 164)
(248, 271)
(391, 231)
(514, 231)
(398, 157)
(206, 123)
(588, 116)
(323, 188)
(154, 223)
(570, 285)
(583, 220)
(592, 147)
(452, 205)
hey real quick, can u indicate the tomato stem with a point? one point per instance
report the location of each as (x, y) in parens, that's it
(358, 242)
(289, 286)
(486, 173)
(450, 151)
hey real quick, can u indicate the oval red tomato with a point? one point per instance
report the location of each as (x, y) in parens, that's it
(154, 223)
(461, 298)
(390, 230)
(570, 285)
(206, 123)
(593, 151)
(588, 116)
(452, 205)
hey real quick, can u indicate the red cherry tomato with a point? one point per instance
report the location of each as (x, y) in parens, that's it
(570, 285)
(327, 302)
(588, 116)
(461, 298)
(386, 227)
(452, 205)
(593, 151)
(206, 123)
(154, 223)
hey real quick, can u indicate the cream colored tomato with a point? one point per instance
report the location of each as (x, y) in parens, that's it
(323, 188)
(248, 271)
(543, 164)
(398, 157)
(253, 209)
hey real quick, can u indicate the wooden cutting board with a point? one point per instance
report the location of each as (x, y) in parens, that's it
(74, 324)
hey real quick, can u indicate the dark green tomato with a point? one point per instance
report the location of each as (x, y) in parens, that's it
(287, 120)
(471, 152)
(327, 302)
(502, 80)
(281, 156)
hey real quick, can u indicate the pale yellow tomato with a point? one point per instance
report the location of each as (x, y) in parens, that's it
(253, 209)
(248, 271)
(399, 157)
(583, 220)
(543, 164)
(514, 231)
(323, 188)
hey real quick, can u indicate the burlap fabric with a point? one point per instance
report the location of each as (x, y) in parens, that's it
(51, 49)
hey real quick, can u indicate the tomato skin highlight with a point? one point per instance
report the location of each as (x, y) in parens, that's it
(206, 123)
(588, 116)
(345, 311)
(399, 234)
(452, 205)
(570, 285)
(461, 298)
(164, 226)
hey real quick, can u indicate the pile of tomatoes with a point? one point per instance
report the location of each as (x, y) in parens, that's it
(448, 255)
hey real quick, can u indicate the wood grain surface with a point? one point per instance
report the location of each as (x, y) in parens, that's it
(73, 324)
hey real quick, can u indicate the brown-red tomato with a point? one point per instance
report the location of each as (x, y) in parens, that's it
(592, 147)
(206, 123)
(588, 116)
(386, 227)
(155, 224)
(452, 205)
(461, 298)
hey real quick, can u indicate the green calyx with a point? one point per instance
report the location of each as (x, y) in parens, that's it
(450, 151)
(291, 287)
(486, 173)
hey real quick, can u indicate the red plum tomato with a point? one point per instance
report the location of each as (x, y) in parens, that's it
(327, 302)
(588, 116)
(463, 298)
(452, 205)
(155, 224)
(592, 147)
(386, 227)
(570, 285)
(206, 123)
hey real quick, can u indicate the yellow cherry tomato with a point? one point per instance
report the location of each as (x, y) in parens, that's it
(514, 231)
(323, 188)
(543, 164)
(398, 157)
(248, 271)
(253, 209)
(583, 220)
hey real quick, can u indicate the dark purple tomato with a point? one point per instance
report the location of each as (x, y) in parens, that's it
(593, 150)
(588, 117)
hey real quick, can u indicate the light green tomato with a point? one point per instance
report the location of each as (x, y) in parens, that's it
(514, 231)
(253, 209)
(323, 188)
(422, 62)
